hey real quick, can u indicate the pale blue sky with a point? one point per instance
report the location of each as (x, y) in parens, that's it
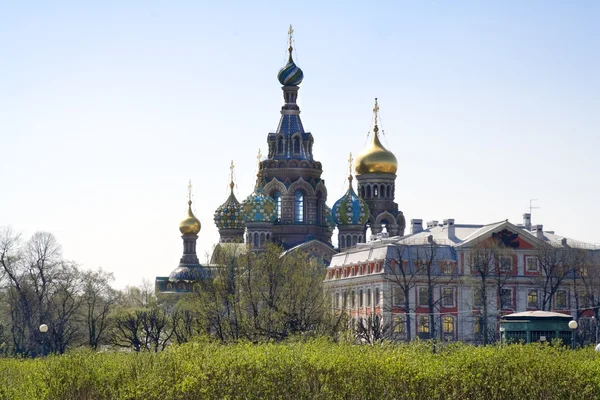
(108, 108)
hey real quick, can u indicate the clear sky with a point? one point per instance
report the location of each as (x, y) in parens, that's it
(107, 109)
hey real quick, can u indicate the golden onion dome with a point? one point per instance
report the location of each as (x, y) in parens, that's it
(191, 224)
(376, 159)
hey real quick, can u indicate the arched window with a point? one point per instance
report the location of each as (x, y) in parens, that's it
(382, 191)
(256, 240)
(375, 191)
(368, 191)
(277, 198)
(389, 187)
(280, 145)
(342, 242)
(299, 207)
(362, 192)
(262, 239)
(296, 145)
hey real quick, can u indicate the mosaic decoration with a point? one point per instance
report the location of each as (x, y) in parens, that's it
(229, 214)
(350, 209)
(507, 238)
(329, 221)
(259, 207)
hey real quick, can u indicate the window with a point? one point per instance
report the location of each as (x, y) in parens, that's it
(506, 298)
(477, 325)
(338, 300)
(353, 299)
(423, 297)
(280, 145)
(299, 209)
(584, 299)
(360, 298)
(560, 299)
(423, 324)
(447, 268)
(399, 324)
(368, 297)
(532, 299)
(532, 264)
(505, 264)
(277, 198)
(448, 325)
(448, 297)
(375, 190)
(477, 300)
(296, 145)
(399, 299)
(376, 297)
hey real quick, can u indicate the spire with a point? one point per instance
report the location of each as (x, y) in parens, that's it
(258, 171)
(290, 39)
(190, 194)
(350, 160)
(231, 184)
(376, 114)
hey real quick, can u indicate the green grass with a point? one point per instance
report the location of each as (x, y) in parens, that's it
(314, 370)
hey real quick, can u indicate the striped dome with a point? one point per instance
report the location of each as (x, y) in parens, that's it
(350, 209)
(290, 74)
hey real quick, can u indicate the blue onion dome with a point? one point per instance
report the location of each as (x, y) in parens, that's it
(329, 221)
(290, 74)
(191, 224)
(189, 273)
(350, 209)
(259, 207)
(229, 214)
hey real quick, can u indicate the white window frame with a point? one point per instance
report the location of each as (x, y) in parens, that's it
(453, 297)
(566, 292)
(512, 295)
(537, 267)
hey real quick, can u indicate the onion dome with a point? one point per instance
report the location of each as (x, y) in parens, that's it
(375, 158)
(290, 74)
(229, 214)
(189, 273)
(329, 221)
(190, 225)
(259, 207)
(350, 209)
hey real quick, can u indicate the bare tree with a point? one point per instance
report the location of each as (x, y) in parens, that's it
(555, 267)
(98, 299)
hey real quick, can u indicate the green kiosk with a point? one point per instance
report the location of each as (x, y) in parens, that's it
(535, 326)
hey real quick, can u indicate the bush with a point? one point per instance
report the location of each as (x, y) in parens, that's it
(316, 369)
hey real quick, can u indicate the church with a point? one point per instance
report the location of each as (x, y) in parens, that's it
(424, 283)
(289, 203)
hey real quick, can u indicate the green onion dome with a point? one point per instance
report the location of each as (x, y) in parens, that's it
(350, 209)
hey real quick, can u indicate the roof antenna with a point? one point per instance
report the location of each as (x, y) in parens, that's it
(532, 207)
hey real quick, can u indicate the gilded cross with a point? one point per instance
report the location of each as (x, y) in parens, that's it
(376, 113)
(350, 159)
(231, 167)
(190, 191)
(290, 32)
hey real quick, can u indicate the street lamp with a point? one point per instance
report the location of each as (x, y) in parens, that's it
(573, 326)
(43, 330)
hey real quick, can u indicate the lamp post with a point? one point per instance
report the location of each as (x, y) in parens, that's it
(43, 330)
(573, 326)
(502, 329)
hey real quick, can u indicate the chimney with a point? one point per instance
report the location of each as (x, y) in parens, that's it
(539, 232)
(432, 224)
(527, 221)
(449, 225)
(416, 226)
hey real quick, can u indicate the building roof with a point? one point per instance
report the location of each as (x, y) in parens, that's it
(537, 314)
